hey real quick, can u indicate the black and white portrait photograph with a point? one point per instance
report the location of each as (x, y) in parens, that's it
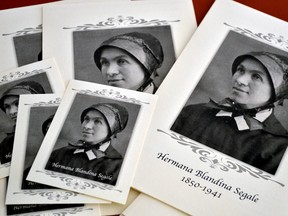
(35, 116)
(39, 123)
(137, 58)
(94, 138)
(239, 106)
(9, 99)
(28, 48)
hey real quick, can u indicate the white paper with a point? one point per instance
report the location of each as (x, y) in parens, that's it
(140, 107)
(45, 73)
(24, 26)
(33, 112)
(187, 168)
(145, 205)
(85, 210)
(3, 183)
(73, 33)
(21, 34)
(115, 208)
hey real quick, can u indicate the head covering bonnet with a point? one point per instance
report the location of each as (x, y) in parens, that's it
(277, 68)
(25, 87)
(144, 47)
(115, 115)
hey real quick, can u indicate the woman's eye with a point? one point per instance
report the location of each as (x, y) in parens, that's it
(97, 121)
(121, 61)
(86, 118)
(257, 77)
(104, 62)
(240, 70)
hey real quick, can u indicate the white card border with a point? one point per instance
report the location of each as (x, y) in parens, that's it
(111, 15)
(48, 67)
(119, 192)
(82, 211)
(222, 17)
(16, 195)
(26, 20)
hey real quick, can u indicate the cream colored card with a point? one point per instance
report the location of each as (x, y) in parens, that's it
(25, 210)
(115, 208)
(244, 171)
(145, 205)
(30, 210)
(106, 172)
(3, 183)
(35, 113)
(21, 34)
(74, 32)
(41, 77)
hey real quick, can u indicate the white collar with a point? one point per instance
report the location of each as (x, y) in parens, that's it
(149, 88)
(241, 122)
(90, 154)
(104, 146)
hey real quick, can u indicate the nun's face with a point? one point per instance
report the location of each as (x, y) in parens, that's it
(121, 69)
(94, 127)
(251, 84)
(11, 106)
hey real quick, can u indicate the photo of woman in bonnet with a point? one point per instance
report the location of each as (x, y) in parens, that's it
(137, 58)
(130, 61)
(9, 105)
(244, 125)
(93, 155)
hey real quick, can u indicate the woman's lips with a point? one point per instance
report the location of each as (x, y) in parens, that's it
(240, 90)
(114, 80)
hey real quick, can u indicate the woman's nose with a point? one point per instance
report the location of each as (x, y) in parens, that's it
(88, 124)
(13, 109)
(243, 79)
(112, 70)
